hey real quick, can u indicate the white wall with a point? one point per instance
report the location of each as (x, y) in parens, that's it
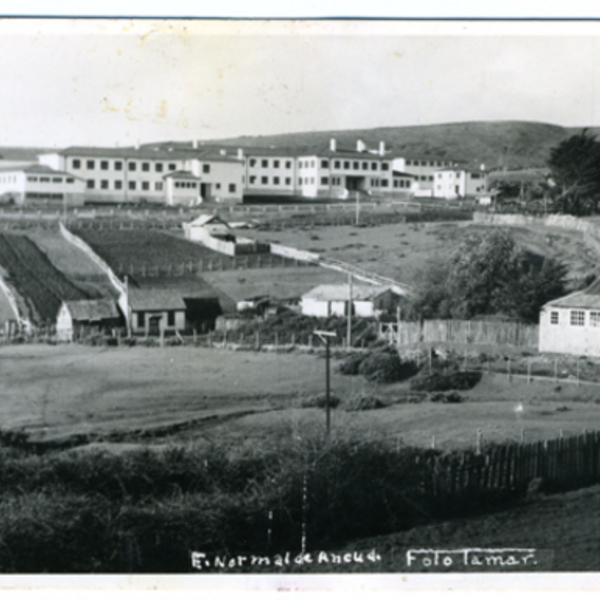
(566, 338)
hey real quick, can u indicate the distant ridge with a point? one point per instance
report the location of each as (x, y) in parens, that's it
(514, 144)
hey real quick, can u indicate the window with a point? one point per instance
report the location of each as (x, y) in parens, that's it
(276, 164)
(76, 164)
(145, 185)
(232, 186)
(337, 164)
(90, 164)
(324, 164)
(118, 184)
(475, 176)
(300, 181)
(288, 181)
(206, 168)
(346, 164)
(594, 318)
(252, 179)
(275, 180)
(172, 167)
(365, 166)
(158, 167)
(132, 185)
(264, 180)
(324, 180)
(385, 166)
(374, 166)
(385, 183)
(104, 184)
(218, 186)
(171, 318)
(104, 165)
(31, 179)
(300, 164)
(90, 184)
(158, 186)
(145, 167)
(57, 180)
(264, 163)
(554, 317)
(118, 165)
(132, 166)
(355, 165)
(140, 319)
(578, 318)
(288, 164)
(69, 180)
(252, 162)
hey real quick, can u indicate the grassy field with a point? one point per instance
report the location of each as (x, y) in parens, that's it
(244, 396)
(401, 250)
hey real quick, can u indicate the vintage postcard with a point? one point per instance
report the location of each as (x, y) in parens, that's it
(299, 304)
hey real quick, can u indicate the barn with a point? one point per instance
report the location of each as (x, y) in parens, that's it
(78, 318)
(335, 299)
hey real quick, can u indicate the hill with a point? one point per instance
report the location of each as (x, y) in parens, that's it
(515, 144)
(22, 153)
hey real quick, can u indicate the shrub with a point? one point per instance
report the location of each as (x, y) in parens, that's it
(441, 382)
(320, 400)
(351, 365)
(362, 402)
(446, 397)
(386, 367)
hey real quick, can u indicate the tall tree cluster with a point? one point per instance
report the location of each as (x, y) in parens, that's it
(489, 275)
(575, 171)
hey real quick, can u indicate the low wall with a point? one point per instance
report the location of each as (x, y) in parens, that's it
(294, 253)
(559, 221)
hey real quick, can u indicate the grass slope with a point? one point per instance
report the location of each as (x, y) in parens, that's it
(520, 143)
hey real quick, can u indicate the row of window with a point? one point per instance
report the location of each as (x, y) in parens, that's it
(401, 183)
(48, 180)
(8, 179)
(265, 180)
(264, 163)
(427, 163)
(577, 318)
(104, 184)
(43, 196)
(131, 165)
(356, 165)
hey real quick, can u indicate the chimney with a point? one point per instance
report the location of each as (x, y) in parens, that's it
(222, 152)
(360, 146)
(137, 144)
(195, 144)
(381, 148)
(240, 153)
(482, 167)
(332, 145)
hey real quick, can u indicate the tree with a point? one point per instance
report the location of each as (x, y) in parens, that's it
(575, 171)
(488, 275)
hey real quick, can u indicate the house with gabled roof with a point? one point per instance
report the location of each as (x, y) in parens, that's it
(571, 324)
(339, 299)
(83, 317)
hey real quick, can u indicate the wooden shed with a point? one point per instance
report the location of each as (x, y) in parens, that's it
(77, 318)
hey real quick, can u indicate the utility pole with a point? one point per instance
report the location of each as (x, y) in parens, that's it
(326, 337)
(350, 311)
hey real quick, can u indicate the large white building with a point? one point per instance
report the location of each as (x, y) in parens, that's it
(152, 174)
(459, 183)
(35, 183)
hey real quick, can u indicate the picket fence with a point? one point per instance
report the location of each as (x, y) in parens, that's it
(460, 332)
(557, 465)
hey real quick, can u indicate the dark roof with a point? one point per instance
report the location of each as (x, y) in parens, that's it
(92, 310)
(147, 298)
(37, 168)
(145, 152)
(402, 174)
(587, 298)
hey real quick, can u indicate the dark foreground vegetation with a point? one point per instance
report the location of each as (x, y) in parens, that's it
(146, 510)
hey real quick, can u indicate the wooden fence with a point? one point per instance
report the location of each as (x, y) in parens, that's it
(559, 464)
(460, 332)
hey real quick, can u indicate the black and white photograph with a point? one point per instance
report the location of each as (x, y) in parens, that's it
(293, 298)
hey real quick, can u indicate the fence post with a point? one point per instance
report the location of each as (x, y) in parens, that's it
(508, 368)
(555, 371)
(479, 441)
(257, 343)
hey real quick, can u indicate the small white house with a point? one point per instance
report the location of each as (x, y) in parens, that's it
(335, 300)
(571, 324)
(153, 311)
(79, 317)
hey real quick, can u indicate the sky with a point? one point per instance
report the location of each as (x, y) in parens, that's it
(109, 82)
